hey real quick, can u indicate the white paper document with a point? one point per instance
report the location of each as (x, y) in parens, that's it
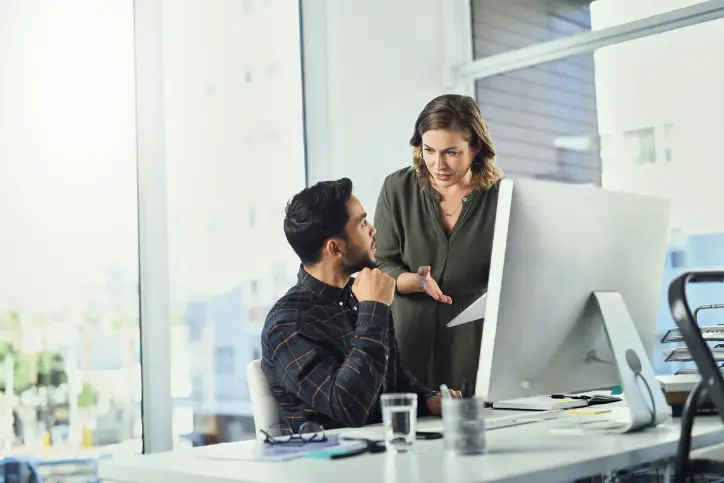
(475, 311)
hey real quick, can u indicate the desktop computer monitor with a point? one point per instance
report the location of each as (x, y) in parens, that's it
(554, 247)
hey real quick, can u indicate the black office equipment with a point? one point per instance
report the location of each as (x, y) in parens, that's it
(370, 446)
(711, 385)
(591, 400)
(466, 389)
(428, 435)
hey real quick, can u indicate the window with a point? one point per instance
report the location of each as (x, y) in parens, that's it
(219, 163)
(678, 259)
(69, 307)
(610, 13)
(503, 26)
(640, 145)
(665, 108)
(544, 121)
(224, 360)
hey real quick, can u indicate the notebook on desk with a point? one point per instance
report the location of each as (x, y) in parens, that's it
(262, 451)
(540, 403)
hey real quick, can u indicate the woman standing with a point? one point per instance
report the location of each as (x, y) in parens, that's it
(434, 236)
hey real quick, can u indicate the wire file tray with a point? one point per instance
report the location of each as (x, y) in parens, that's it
(710, 333)
(693, 372)
(683, 354)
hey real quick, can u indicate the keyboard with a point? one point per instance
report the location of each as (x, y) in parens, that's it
(528, 417)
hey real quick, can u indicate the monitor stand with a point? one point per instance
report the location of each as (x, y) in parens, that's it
(641, 389)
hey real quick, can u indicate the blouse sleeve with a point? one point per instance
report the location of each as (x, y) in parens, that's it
(387, 239)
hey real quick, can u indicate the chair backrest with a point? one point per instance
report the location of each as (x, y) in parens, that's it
(263, 403)
(20, 470)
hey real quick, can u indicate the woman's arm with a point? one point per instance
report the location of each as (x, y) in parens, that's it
(409, 282)
(422, 281)
(389, 255)
(387, 241)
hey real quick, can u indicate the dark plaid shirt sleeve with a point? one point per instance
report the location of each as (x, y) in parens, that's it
(406, 382)
(345, 392)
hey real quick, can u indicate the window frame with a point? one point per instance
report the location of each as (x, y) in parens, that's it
(154, 278)
(589, 41)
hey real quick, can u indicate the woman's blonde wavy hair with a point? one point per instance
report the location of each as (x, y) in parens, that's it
(457, 113)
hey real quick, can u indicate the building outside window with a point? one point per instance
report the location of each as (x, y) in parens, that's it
(654, 107)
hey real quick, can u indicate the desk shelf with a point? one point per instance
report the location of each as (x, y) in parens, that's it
(710, 334)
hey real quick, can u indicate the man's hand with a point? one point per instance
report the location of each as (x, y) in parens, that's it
(430, 287)
(434, 403)
(374, 286)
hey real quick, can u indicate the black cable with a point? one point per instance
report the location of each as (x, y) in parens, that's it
(652, 423)
(681, 463)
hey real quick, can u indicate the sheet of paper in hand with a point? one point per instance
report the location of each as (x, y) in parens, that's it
(474, 311)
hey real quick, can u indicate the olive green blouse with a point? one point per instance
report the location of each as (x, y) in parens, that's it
(409, 235)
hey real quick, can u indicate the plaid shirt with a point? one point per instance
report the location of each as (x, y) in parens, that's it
(328, 358)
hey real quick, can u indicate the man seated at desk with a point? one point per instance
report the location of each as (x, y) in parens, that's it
(328, 346)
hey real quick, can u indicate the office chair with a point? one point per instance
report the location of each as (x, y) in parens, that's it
(20, 470)
(711, 384)
(263, 403)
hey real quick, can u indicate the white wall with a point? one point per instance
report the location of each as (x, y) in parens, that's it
(662, 82)
(609, 13)
(384, 61)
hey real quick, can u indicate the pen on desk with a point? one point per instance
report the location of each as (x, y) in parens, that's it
(445, 391)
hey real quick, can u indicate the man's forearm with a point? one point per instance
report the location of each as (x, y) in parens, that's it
(408, 383)
(409, 282)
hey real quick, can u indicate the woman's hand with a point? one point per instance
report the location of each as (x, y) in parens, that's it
(430, 287)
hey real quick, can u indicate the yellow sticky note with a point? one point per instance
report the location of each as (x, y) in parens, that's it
(588, 411)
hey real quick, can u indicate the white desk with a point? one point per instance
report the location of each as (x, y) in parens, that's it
(531, 452)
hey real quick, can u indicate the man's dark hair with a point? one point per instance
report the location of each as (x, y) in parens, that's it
(316, 214)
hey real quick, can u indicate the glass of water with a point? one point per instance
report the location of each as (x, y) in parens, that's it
(464, 425)
(399, 418)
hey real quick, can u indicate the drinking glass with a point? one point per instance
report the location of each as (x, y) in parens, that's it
(399, 418)
(464, 425)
